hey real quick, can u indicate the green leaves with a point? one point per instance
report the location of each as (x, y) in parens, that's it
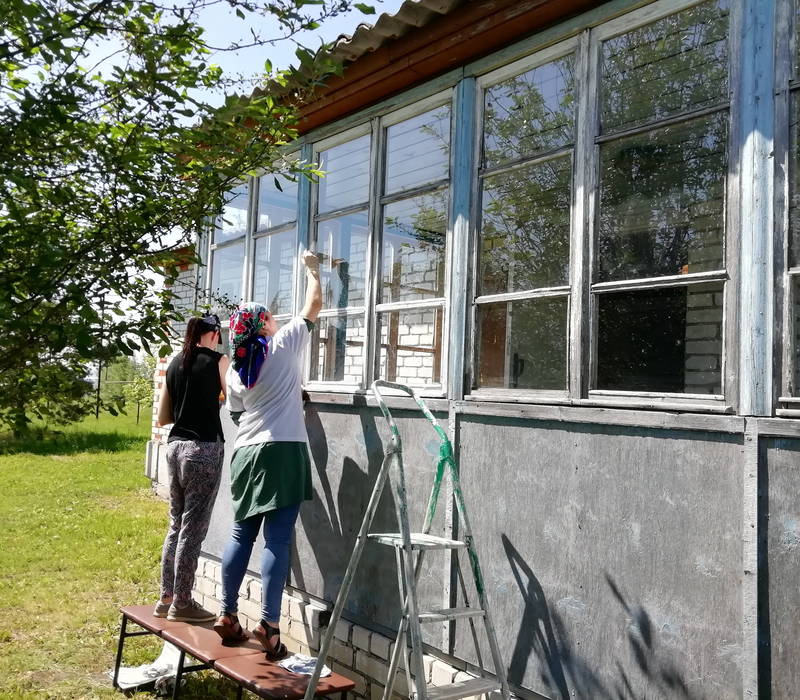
(112, 163)
(364, 8)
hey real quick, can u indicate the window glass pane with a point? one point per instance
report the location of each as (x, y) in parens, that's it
(346, 179)
(411, 346)
(343, 245)
(274, 267)
(418, 150)
(414, 235)
(337, 349)
(277, 204)
(233, 221)
(674, 65)
(523, 344)
(525, 228)
(226, 272)
(663, 340)
(530, 113)
(662, 201)
(794, 183)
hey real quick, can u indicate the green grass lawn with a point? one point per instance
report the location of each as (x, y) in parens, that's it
(81, 536)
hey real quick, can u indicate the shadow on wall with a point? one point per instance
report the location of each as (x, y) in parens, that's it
(334, 517)
(565, 674)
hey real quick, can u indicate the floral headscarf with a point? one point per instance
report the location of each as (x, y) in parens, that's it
(249, 348)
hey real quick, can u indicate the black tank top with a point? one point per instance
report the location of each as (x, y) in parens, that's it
(195, 397)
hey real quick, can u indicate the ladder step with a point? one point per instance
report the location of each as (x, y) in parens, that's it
(419, 540)
(449, 614)
(462, 689)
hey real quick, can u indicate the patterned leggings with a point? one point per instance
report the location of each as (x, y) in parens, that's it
(194, 474)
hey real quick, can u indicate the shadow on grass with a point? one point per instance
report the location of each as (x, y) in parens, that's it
(72, 442)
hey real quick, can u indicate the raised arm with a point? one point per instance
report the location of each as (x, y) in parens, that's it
(313, 303)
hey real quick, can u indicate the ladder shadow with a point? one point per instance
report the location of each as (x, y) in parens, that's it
(566, 674)
(332, 521)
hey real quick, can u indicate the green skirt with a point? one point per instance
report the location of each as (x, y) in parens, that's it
(269, 476)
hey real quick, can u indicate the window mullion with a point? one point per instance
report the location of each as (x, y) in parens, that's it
(374, 273)
(248, 266)
(460, 227)
(585, 164)
(305, 201)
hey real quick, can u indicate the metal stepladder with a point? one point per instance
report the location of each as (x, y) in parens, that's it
(410, 548)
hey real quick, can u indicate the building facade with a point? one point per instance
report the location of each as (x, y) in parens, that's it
(572, 227)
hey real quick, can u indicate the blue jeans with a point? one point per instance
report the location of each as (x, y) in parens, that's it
(278, 529)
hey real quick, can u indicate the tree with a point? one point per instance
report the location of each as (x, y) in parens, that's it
(110, 161)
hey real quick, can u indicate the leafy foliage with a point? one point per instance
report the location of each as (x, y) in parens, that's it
(111, 160)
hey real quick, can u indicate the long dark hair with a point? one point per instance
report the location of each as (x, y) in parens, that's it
(194, 329)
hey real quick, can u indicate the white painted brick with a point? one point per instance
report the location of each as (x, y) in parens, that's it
(361, 638)
(253, 589)
(342, 652)
(304, 634)
(371, 667)
(343, 629)
(296, 608)
(285, 606)
(250, 608)
(427, 662)
(442, 673)
(380, 645)
(286, 627)
(462, 676)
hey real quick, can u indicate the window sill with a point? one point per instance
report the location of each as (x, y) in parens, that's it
(360, 398)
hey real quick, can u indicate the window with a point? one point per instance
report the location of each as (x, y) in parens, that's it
(525, 192)
(407, 254)
(411, 297)
(275, 244)
(228, 247)
(342, 242)
(659, 273)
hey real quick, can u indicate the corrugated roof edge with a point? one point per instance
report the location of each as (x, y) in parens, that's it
(366, 38)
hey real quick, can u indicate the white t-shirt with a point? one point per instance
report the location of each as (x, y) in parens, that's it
(273, 407)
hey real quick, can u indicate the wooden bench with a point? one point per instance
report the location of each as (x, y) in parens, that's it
(244, 664)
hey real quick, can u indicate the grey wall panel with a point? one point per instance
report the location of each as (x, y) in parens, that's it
(780, 594)
(611, 556)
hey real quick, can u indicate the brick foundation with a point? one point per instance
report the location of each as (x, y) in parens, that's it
(357, 653)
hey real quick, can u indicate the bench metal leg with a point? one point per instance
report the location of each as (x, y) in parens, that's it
(177, 689)
(120, 644)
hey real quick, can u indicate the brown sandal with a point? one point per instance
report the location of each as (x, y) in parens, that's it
(228, 627)
(270, 639)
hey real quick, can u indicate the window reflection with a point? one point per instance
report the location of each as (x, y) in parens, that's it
(337, 349)
(274, 271)
(346, 179)
(525, 228)
(674, 65)
(226, 272)
(232, 223)
(411, 346)
(414, 234)
(664, 340)
(277, 201)
(523, 344)
(343, 245)
(662, 201)
(530, 113)
(418, 150)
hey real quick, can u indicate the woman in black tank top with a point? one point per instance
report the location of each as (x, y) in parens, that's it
(190, 400)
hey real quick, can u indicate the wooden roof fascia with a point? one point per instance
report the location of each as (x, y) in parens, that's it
(467, 33)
